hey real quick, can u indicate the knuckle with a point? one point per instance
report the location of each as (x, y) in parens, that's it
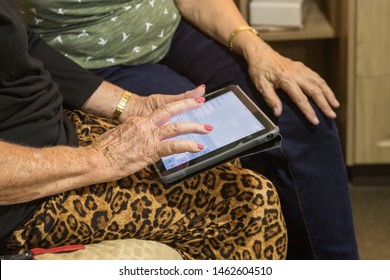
(321, 81)
(167, 108)
(285, 77)
(285, 80)
(165, 149)
(316, 92)
(169, 131)
(177, 146)
(264, 85)
(175, 127)
(301, 99)
(169, 148)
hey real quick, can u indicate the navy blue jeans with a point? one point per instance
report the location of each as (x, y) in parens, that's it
(308, 170)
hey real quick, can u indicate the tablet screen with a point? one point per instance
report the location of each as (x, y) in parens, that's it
(230, 118)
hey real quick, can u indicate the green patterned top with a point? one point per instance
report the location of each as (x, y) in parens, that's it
(102, 33)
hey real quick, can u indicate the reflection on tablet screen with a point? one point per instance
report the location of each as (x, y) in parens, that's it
(230, 118)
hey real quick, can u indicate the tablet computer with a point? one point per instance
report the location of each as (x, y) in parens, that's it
(240, 128)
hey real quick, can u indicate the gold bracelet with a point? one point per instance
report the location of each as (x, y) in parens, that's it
(121, 105)
(238, 30)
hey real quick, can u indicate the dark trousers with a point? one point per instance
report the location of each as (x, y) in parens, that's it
(308, 170)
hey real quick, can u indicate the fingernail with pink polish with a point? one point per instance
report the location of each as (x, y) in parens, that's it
(200, 99)
(200, 147)
(208, 127)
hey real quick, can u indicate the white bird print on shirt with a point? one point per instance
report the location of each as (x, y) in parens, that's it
(88, 58)
(125, 36)
(136, 49)
(161, 34)
(174, 16)
(165, 11)
(58, 39)
(148, 25)
(114, 19)
(151, 2)
(60, 11)
(34, 10)
(154, 47)
(38, 21)
(127, 7)
(83, 34)
(110, 59)
(102, 41)
(138, 6)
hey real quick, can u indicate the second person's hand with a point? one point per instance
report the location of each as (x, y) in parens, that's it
(269, 70)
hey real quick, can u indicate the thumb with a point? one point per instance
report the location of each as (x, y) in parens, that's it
(196, 92)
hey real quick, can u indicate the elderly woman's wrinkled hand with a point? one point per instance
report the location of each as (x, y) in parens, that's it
(141, 141)
(269, 71)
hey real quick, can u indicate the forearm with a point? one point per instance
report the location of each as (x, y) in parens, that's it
(218, 18)
(31, 173)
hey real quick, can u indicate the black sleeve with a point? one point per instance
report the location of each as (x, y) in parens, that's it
(76, 83)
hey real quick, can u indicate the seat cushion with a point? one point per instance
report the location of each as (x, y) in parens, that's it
(124, 249)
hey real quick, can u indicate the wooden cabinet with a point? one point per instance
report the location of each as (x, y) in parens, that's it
(368, 119)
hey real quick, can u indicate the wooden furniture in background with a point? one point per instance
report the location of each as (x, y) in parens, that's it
(368, 121)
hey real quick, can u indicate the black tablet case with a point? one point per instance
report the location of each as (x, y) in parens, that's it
(274, 143)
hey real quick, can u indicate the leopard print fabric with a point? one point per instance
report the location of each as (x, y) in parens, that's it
(224, 213)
